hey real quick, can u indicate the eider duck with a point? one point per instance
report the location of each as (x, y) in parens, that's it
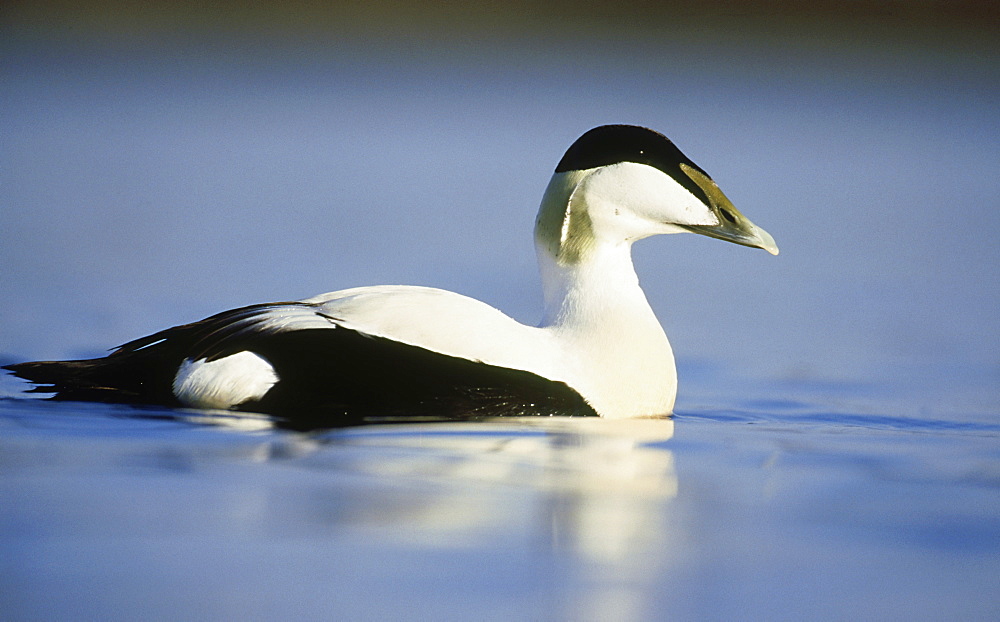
(377, 353)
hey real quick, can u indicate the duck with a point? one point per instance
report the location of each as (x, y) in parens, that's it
(408, 352)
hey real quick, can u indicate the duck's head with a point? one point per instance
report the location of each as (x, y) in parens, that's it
(621, 183)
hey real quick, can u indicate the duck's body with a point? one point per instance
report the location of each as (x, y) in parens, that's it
(393, 351)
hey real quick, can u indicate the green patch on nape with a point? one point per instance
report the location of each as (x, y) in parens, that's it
(564, 226)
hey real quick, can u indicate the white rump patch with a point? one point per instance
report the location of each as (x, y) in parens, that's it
(224, 383)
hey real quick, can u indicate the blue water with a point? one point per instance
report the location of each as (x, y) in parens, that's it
(836, 446)
(760, 513)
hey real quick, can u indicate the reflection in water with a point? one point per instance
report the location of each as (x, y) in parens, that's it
(574, 511)
(597, 491)
(115, 513)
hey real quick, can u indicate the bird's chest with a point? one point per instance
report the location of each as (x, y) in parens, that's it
(625, 371)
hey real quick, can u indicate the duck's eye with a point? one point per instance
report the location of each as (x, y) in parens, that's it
(728, 215)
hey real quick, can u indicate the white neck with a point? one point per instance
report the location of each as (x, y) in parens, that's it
(621, 360)
(591, 291)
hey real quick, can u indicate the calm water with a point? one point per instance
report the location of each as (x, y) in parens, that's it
(791, 511)
(836, 452)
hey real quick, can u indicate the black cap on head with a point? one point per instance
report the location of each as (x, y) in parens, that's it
(611, 144)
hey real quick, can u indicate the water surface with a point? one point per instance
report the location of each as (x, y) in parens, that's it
(752, 513)
(835, 451)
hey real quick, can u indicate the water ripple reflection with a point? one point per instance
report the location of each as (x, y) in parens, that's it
(587, 496)
(553, 518)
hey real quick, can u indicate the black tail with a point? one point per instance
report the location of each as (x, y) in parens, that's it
(122, 377)
(138, 372)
